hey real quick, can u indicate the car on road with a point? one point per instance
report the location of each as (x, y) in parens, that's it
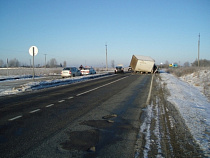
(88, 71)
(129, 68)
(70, 72)
(119, 69)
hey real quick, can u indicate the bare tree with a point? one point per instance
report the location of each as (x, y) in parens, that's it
(14, 63)
(1, 63)
(166, 65)
(203, 63)
(186, 64)
(112, 64)
(64, 64)
(52, 62)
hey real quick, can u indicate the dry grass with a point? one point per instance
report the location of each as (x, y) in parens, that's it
(203, 77)
(197, 84)
(182, 71)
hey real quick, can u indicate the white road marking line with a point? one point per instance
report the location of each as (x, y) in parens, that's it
(61, 101)
(70, 97)
(100, 86)
(14, 118)
(34, 111)
(84, 92)
(49, 105)
(150, 90)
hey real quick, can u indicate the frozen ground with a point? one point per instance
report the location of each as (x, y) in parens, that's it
(189, 95)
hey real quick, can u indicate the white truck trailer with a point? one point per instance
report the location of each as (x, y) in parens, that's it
(142, 64)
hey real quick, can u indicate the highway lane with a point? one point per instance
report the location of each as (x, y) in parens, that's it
(32, 100)
(28, 120)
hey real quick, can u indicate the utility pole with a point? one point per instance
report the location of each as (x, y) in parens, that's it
(7, 68)
(106, 58)
(45, 61)
(198, 49)
(33, 63)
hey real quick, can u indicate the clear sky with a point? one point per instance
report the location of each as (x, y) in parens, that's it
(76, 31)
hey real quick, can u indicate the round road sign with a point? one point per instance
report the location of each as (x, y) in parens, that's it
(33, 50)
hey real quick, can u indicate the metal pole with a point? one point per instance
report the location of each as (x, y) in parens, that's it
(7, 68)
(33, 64)
(198, 49)
(45, 61)
(106, 58)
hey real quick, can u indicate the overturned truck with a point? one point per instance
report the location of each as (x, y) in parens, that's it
(143, 64)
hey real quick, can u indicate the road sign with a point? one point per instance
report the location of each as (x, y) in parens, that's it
(33, 50)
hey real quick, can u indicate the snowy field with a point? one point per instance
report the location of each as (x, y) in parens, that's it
(190, 96)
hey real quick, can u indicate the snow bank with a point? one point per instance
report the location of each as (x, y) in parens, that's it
(200, 80)
(193, 106)
(48, 83)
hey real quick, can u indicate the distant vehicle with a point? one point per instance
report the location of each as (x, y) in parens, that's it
(129, 68)
(119, 69)
(70, 72)
(173, 65)
(88, 71)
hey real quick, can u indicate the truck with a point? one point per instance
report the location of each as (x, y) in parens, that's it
(143, 64)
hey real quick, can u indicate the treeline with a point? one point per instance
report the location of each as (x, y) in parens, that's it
(10, 63)
(202, 63)
(52, 63)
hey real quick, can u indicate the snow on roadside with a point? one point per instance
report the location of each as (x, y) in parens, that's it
(193, 106)
(15, 77)
(49, 83)
(200, 80)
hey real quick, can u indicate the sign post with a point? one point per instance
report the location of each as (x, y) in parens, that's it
(33, 51)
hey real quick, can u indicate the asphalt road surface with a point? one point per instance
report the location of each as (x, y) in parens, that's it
(121, 115)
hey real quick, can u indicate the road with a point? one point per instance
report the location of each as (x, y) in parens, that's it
(109, 117)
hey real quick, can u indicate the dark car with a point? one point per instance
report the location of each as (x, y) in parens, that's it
(119, 69)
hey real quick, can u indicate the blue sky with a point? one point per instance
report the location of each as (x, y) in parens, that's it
(76, 31)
